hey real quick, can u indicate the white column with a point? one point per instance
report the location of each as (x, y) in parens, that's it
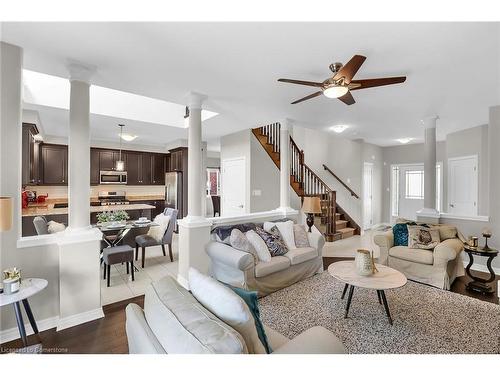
(79, 246)
(285, 126)
(194, 229)
(79, 147)
(195, 164)
(429, 211)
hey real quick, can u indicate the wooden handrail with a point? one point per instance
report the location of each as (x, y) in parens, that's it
(342, 182)
(327, 188)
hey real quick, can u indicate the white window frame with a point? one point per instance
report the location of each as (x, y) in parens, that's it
(395, 199)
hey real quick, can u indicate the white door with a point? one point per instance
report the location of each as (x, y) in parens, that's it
(368, 195)
(462, 186)
(411, 190)
(233, 187)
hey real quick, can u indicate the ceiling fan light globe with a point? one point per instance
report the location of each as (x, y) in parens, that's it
(335, 91)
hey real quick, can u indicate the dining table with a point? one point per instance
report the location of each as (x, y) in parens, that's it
(114, 233)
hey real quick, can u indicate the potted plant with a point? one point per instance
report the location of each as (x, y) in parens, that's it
(12, 280)
(112, 216)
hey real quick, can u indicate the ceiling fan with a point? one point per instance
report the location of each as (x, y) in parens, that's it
(341, 83)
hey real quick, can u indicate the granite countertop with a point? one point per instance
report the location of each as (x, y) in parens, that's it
(49, 209)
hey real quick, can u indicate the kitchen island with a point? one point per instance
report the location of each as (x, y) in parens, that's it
(134, 210)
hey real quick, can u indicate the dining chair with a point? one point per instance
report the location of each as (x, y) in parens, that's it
(146, 240)
(41, 226)
(216, 204)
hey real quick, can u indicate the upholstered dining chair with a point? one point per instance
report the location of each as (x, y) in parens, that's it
(145, 240)
(41, 226)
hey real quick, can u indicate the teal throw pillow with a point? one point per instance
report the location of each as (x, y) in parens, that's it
(251, 299)
(400, 232)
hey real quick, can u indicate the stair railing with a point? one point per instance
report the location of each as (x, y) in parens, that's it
(341, 182)
(310, 183)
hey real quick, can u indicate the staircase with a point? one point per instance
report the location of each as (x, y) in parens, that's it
(333, 222)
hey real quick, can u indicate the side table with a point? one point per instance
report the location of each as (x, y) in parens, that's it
(479, 284)
(29, 287)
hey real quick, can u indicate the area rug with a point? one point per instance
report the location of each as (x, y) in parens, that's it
(426, 319)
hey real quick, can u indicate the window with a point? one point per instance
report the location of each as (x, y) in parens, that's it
(395, 190)
(213, 181)
(414, 185)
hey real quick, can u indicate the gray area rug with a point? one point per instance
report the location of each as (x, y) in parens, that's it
(426, 319)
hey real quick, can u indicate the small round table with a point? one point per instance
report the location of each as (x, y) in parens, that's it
(386, 278)
(29, 287)
(479, 284)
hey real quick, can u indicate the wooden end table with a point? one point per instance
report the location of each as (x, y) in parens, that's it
(29, 287)
(386, 278)
(479, 284)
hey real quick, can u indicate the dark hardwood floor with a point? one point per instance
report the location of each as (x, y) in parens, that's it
(107, 335)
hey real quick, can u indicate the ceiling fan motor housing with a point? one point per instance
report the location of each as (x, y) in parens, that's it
(335, 67)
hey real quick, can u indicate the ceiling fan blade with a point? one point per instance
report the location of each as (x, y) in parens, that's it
(347, 98)
(375, 82)
(308, 97)
(297, 82)
(349, 70)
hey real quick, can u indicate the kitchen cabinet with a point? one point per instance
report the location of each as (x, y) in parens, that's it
(108, 159)
(159, 169)
(94, 166)
(30, 155)
(178, 159)
(54, 164)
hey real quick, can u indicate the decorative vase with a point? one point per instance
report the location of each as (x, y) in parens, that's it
(363, 261)
(11, 286)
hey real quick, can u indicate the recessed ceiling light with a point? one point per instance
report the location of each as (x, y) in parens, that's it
(128, 137)
(404, 140)
(339, 128)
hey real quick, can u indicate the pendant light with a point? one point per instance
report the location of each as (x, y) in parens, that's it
(120, 164)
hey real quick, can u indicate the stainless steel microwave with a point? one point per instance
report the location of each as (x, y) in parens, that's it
(113, 177)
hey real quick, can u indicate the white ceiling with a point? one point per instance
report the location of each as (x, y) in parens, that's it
(452, 69)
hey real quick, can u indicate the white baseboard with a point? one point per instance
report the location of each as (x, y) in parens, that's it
(53, 322)
(77, 319)
(482, 268)
(43, 325)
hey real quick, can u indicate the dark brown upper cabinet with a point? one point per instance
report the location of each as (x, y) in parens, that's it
(108, 159)
(94, 166)
(159, 169)
(178, 159)
(30, 155)
(54, 168)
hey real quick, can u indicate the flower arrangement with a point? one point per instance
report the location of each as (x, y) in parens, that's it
(108, 216)
(12, 280)
(12, 274)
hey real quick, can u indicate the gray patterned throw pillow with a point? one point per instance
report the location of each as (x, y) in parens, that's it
(273, 240)
(239, 241)
(300, 236)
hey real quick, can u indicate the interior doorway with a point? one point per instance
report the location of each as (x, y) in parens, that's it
(462, 185)
(233, 192)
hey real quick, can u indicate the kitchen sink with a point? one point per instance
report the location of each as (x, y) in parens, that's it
(60, 205)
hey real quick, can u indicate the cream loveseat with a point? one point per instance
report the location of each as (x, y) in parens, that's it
(173, 321)
(438, 267)
(238, 268)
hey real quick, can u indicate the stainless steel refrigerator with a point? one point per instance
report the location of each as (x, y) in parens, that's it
(173, 191)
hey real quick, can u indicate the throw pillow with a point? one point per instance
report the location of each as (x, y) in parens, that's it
(446, 232)
(251, 299)
(400, 231)
(259, 245)
(273, 241)
(227, 306)
(239, 241)
(420, 237)
(300, 235)
(54, 227)
(157, 232)
(223, 232)
(285, 229)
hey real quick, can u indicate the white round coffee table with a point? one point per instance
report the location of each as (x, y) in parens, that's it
(386, 278)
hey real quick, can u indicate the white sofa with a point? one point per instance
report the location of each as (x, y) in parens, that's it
(238, 268)
(438, 267)
(173, 321)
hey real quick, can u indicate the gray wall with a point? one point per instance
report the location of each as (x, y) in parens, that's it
(374, 154)
(213, 162)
